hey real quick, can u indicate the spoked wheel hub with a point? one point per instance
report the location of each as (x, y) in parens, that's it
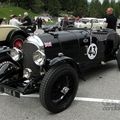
(62, 89)
(18, 43)
(7, 70)
(65, 90)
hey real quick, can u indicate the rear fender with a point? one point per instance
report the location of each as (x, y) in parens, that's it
(16, 32)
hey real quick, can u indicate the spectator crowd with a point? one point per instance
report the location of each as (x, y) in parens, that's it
(20, 21)
(37, 22)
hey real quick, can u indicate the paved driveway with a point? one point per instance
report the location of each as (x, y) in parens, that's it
(97, 99)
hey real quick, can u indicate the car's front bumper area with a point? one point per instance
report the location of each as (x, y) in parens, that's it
(13, 84)
(9, 90)
(20, 86)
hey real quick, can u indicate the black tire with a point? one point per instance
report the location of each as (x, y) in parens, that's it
(6, 60)
(58, 88)
(17, 38)
(4, 57)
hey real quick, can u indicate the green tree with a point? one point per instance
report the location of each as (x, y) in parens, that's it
(69, 5)
(54, 7)
(95, 8)
(37, 6)
(45, 8)
(116, 7)
(80, 7)
(105, 5)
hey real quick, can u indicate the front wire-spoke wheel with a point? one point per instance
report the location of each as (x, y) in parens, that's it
(58, 88)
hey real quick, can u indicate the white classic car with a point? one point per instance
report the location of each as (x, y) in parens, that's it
(86, 23)
(11, 36)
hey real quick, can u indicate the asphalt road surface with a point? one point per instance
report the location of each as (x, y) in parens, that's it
(98, 98)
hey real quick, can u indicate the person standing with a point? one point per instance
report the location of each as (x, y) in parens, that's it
(20, 17)
(39, 22)
(26, 20)
(64, 23)
(111, 19)
(14, 21)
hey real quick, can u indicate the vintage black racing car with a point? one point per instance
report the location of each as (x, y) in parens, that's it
(51, 64)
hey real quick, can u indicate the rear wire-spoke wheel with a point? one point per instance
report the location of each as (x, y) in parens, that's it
(58, 88)
(17, 41)
(7, 68)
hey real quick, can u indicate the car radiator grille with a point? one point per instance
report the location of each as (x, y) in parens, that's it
(28, 50)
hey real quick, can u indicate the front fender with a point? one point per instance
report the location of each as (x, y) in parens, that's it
(65, 60)
(59, 60)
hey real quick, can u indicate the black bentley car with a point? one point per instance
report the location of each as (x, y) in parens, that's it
(51, 64)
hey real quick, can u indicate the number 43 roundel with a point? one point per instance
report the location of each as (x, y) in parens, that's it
(92, 51)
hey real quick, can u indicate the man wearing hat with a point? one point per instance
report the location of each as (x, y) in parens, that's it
(14, 21)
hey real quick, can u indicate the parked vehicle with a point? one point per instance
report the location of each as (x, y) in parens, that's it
(51, 64)
(28, 29)
(11, 36)
(118, 23)
(45, 18)
(51, 28)
(86, 23)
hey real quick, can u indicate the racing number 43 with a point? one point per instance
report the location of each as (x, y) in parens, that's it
(92, 51)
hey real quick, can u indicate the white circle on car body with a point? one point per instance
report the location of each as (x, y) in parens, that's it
(92, 51)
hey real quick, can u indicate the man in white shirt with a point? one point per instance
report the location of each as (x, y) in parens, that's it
(14, 21)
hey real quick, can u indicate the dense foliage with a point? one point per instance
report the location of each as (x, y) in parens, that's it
(75, 7)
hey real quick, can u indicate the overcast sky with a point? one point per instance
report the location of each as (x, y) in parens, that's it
(100, 0)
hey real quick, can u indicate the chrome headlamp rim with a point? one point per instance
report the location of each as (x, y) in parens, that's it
(35, 40)
(27, 73)
(16, 54)
(39, 57)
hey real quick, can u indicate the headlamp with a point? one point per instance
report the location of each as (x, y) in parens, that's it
(39, 57)
(16, 54)
(27, 73)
